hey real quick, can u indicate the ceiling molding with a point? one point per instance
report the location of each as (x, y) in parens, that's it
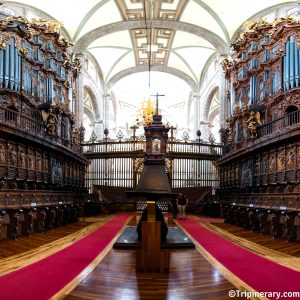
(99, 32)
(87, 17)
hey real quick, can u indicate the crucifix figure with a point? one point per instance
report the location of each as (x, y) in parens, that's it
(134, 128)
(156, 109)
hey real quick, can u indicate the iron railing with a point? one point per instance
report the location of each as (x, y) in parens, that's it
(130, 145)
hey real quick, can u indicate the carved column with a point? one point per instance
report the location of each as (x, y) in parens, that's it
(106, 99)
(99, 129)
(205, 129)
(222, 94)
(79, 102)
(196, 98)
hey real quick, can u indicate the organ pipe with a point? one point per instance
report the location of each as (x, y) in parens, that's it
(291, 61)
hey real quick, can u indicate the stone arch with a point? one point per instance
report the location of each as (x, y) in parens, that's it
(95, 102)
(206, 106)
(207, 111)
(89, 113)
(96, 33)
(144, 68)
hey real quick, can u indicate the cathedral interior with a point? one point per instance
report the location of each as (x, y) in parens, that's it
(109, 109)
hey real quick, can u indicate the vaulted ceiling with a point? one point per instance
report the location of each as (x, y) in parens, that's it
(174, 36)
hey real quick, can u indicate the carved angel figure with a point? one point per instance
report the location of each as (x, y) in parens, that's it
(51, 120)
(253, 122)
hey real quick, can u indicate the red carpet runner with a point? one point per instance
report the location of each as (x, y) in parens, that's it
(46, 277)
(259, 273)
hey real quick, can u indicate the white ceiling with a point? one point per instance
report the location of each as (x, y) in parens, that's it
(186, 32)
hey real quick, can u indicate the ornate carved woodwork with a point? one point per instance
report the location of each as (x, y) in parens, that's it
(40, 154)
(261, 141)
(278, 223)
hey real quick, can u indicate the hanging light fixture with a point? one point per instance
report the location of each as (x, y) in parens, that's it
(147, 107)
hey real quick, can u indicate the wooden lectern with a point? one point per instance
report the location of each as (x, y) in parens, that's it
(151, 258)
(153, 186)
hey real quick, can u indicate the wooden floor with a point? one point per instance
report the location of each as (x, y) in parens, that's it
(24, 243)
(191, 276)
(277, 244)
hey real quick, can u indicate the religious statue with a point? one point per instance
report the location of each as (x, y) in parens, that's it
(281, 162)
(253, 122)
(290, 159)
(75, 136)
(38, 162)
(31, 160)
(22, 159)
(272, 162)
(229, 137)
(156, 145)
(51, 122)
(245, 107)
(76, 66)
(13, 156)
(2, 154)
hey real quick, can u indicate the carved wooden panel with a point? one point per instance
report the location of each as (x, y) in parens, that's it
(280, 160)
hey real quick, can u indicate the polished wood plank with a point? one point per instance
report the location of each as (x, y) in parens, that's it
(277, 244)
(193, 273)
(190, 277)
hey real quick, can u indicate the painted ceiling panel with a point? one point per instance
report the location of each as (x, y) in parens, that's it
(197, 15)
(176, 62)
(182, 39)
(195, 58)
(126, 62)
(107, 57)
(117, 39)
(171, 6)
(106, 14)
